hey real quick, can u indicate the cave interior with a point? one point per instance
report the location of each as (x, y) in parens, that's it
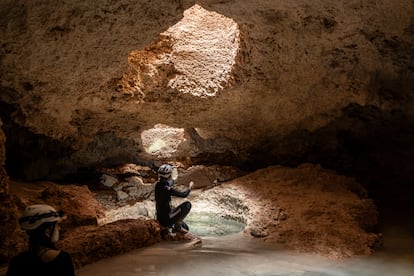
(86, 89)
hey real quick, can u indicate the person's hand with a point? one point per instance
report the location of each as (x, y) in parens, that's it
(190, 185)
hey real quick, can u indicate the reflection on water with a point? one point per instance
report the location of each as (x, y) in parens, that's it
(240, 254)
(237, 255)
(206, 224)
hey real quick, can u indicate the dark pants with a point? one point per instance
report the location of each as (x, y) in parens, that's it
(178, 214)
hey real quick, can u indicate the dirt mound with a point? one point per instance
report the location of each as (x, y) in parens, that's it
(306, 208)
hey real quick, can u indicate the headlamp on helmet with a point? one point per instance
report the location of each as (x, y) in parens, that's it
(165, 170)
(35, 215)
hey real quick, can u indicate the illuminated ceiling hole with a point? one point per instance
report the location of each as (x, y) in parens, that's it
(204, 52)
(162, 141)
(196, 56)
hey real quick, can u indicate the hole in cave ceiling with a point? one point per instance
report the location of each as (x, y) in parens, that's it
(195, 56)
(210, 39)
(162, 141)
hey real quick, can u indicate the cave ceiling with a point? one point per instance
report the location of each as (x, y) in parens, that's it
(82, 80)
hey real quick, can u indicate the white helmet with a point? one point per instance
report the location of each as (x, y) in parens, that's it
(36, 215)
(165, 170)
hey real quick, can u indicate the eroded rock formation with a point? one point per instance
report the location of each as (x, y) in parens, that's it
(8, 211)
(241, 83)
(82, 80)
(80, 235)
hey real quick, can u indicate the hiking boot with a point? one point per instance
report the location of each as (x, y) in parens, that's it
(185, 226)
(179, 229)
(165, 232)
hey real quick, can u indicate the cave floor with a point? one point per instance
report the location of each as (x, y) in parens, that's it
(236, 255)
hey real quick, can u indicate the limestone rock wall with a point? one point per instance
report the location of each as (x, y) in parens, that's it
(89, 244)
(4, 180)
(8, 210)
(81, 80)
(308, 208)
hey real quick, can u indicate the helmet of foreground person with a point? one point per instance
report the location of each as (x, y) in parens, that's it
(165, 170)
(35, 215)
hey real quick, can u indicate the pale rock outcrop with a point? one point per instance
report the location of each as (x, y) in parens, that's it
(307, 208)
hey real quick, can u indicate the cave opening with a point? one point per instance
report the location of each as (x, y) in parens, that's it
(196, 57)
(162, 141)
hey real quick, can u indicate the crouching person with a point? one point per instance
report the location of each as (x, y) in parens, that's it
(41, 223)
(167, 215)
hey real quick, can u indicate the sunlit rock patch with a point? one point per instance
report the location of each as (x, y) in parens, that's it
(195, 56)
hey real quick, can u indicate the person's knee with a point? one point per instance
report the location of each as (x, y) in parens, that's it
(187, 205)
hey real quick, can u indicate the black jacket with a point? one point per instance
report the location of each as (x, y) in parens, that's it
(27, 263)
(163, 192)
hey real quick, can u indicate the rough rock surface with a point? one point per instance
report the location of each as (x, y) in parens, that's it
(275, 82)
(77, 202)
(207, 176)
(8, 212)
(80, 234)
(81, 80)
(88, 244)
(307, 208)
